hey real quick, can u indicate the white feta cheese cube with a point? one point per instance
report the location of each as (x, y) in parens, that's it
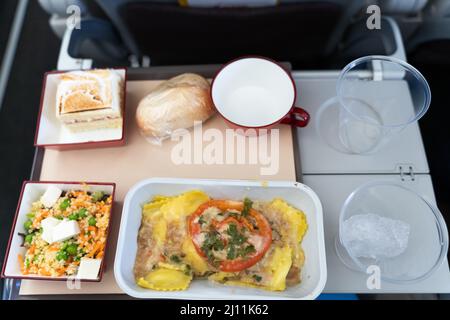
(47, 236)
(50, 223)
(47, 228)
(89, 268)
(66, 229)
(50, 196)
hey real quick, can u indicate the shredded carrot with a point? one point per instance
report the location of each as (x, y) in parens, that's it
(39, 218)
(83, 237)
(32, 248)
(61, 271)
(22, 265)
(44, 272)
(78, 193)
(97, 247)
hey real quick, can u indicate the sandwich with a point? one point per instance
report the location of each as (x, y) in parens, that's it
(90, 100)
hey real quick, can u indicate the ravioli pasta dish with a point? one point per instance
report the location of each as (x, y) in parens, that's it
(245, 243)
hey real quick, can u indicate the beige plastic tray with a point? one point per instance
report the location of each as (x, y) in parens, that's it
(135, 161)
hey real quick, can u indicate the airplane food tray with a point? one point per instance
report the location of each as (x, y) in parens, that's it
(306, 145)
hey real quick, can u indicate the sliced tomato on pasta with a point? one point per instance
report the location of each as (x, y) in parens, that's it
(230, 235)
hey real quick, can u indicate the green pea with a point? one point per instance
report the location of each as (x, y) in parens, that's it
(27, 225)
(64, 204)
(73, 216)
(62, 255)
(97, 196)
(82, 213)
(71, 249)
(28, 238)
(30, 215)
(92, 221)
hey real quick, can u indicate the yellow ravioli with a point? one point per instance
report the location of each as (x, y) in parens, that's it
(278, 267)
(296, 219)
(198, 263)
(163, 279)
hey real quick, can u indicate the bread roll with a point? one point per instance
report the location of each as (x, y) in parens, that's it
(174, 104)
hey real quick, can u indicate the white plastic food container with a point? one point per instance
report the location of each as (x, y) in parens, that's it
(299, 195)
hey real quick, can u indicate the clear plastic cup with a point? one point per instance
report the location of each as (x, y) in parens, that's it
(379, 96)
(428, 237)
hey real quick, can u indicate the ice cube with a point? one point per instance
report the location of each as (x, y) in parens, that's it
(373, 236)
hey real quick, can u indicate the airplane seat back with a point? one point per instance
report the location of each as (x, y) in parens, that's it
(310, 34)
(430, 43)
(296, 31)
(60, 8)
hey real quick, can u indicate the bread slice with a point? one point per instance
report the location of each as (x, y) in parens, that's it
(89, 100)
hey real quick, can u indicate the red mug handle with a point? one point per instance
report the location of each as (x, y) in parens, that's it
(297, 116)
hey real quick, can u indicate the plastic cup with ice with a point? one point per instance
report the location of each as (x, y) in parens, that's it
(372, 236)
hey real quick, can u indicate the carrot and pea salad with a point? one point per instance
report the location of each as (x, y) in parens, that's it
(90, 211)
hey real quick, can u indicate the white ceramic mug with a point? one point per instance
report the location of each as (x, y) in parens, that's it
(256, 93)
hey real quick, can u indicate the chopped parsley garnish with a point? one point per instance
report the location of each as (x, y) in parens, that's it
(257, 278)
(201, 220)
(247, 206)
(233, 214)
(188, 270)
(212, 243)
(245, 251)
(174, 258)
(231, 254)
(237, 247)
(237, 238)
